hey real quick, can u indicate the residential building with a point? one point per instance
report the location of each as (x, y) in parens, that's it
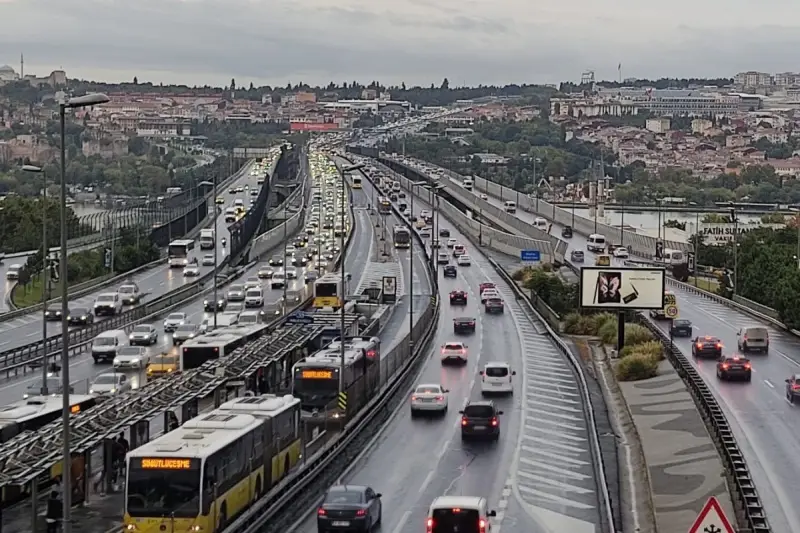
(657, 125)
(701, 125)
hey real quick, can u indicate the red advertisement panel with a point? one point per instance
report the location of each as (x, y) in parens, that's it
(313, 126)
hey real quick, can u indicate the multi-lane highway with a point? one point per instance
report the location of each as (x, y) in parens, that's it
(538, 476)
(153, 282)
(765, 424)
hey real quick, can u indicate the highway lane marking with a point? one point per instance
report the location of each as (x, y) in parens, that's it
(769, 384)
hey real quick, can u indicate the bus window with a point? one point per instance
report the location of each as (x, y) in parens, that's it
(603, 260)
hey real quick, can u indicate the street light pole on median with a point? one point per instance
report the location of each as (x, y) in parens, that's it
(45, 279)
(216, 250)
(412, 188)
(66, 465)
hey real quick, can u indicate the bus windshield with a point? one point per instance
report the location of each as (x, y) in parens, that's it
(325, 289)
(179, 249)
(402, 236)
(163, 492)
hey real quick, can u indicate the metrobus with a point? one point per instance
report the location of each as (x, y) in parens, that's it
(401, 237)
(384, 206)
(217, 344)
(178, 252)
(468, 183)
(356, 181)
(202, 475)
(33, 414)
(315, 379)
(330, 291)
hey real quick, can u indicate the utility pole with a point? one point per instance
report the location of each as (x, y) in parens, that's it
(216, 249)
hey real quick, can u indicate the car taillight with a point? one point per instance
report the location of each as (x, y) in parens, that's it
(719, 346)
(744, 338)
(464, 421)
(321, 512)
(747, 366)
(472, 323)
(429, 525)
(494, 422)
(725, 366)
(700, 345)
(439, 398)
(361, 512)
(413, 398)
(463, 351)
(482, 525)
(795, 387)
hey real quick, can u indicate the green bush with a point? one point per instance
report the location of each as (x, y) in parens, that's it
(637, 334)
(637, 366)
(578, 324)
(608, 332)
(652, 348)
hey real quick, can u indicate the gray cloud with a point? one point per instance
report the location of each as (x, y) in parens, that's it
(417, 41)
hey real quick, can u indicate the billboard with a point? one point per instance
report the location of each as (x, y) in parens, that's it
(313, 126)
(622, 288)
(716, 234)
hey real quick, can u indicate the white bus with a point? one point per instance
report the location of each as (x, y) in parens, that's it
(217, 344)
(356, 181)
(201, 476)
(511, 207)
(178, 252)
(468, 183)
(596, 243)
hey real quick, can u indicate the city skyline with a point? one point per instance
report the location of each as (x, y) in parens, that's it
(199, 42)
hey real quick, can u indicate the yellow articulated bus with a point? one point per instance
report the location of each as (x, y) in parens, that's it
(201, 476)
(356, 183)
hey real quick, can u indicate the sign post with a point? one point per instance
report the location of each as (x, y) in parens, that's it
(530, 256)
(711, 519)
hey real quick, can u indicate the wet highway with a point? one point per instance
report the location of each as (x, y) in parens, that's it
(152, 282)
(538, 476)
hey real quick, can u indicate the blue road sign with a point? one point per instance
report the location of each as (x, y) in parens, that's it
(533, 256)
(300, 317)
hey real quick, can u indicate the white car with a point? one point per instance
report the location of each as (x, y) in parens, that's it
(454, 352)
(173, 321)
(110, 383)
(278, 280)
(429, 399)
(443, 258)
(107, 304)
(464, 260)
(208, 260)
(254, 297)
(291, 272)
(253, 282)
(489, 293)
(496, 377)
(143, 335)
(451, 243)
(621, 252)
(191, 271)
(484, 196)
(131, 357)
(459, 249)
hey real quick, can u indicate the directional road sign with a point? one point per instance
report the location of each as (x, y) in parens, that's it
(530, 256)
(711, 519)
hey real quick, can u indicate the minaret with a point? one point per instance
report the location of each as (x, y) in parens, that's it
(21, 66)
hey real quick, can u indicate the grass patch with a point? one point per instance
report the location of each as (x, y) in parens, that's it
(30, 295)
(706, 284)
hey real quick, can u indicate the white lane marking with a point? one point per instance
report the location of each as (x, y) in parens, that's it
(769, 384)
(402, 523)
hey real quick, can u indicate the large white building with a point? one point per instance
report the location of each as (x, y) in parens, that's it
(8, 74)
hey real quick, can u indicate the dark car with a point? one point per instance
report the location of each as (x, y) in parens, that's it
(734, 367)
(450, 271)
(792, 388)
(681, 328)
(707, 347)
(349, 508)
(444, 232)
(209, 306)
(80, 316)
(494, 305)
(53, 313)
(567, 232)
(480, 419)
(464, 324)
(276, 260)
(401, 194)
(299, 260)
(458, 298)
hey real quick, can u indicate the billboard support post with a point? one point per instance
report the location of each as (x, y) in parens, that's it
(620, 330)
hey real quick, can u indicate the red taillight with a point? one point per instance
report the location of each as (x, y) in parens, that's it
(463, 420)
(494, 422)
(439, 398)
(795, 387)
(413, 398)
(361, 512)
(747, 366)
(472, 323)
(719, 345)
(371, 353)
(725, 366)
(463, 351)
(429, 525)
(321, 512)
(482, 525)
(700, 345)
(744, 337)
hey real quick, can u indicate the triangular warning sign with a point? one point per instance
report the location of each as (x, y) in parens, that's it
(711, 519)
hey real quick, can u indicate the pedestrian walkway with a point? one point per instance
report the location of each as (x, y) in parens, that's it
(103, 513)
(682, 462)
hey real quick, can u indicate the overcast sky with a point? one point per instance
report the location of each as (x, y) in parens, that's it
(415, 41)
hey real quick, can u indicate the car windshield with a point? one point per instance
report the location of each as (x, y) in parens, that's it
(496, 371)
(478, 411)
(343, 497)
(427, 389)
(237, 288)
(129, 350)
(464, 319)
(108, 298)
(254, 292)
(682, 322)
(105, 379)
(79, 311)
(141, 329)
(175, 316)
(452, 346)
(187, 328)
(126, 289)
(495, 301)
(104, 341)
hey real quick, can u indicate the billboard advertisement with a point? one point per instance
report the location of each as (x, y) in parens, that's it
(716, 234)
(622, 288)
(313, 126)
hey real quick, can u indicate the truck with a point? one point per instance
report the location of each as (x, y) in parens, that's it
(207, 239)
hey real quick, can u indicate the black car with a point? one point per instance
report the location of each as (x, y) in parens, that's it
(80, 316)
(349, 508)
(401, 194)
(464, 324)
(458, 298)
(792, 388)
(53, 313)
(567, 232)
(681, 328)
(209, 306)
(393, 197)
(299, 260)
(734, 367)
(480, 419)
(707, 347)
(444, 232)
(450, 271)
(276, 260)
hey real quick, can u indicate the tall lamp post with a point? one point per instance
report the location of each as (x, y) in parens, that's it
(45, 279)
(88, 100)
(412, 188)
(343, 201)
(436, 228)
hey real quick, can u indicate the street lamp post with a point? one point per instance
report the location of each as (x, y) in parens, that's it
(45, 278)
(342, 171)
(735, 247)
(216, 250)
(88, 100)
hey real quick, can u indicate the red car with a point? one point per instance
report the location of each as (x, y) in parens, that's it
(458, 298)
(487, 285)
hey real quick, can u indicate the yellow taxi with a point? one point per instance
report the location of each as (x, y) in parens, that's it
(220, 200)
(163, 365)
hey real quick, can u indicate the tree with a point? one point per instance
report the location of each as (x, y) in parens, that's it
(135, 80)
(252, 87)
(445, 85)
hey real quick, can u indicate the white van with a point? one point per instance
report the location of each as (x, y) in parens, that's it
(468, 183)
(540, 223)
(106, 344)
(496, 376)
(459, 514)
(511, 207)
(396, 186)
(674, 257)
(596, 243)
(230, 215)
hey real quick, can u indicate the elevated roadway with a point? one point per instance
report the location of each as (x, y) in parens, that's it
(539, 476)
(765, 424)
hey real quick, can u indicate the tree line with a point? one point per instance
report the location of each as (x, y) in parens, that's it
(21, 224)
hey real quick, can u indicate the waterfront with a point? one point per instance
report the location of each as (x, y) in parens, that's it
(648, 220)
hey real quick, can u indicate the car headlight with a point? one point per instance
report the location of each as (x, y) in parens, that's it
(131, 336)
(113, 390)
(91, 391)
(84, 317)
(135, 360)
(25, 396)
(205, 302)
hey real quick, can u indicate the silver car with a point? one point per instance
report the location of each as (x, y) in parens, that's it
(236, 293)
(174, 321)
(110, 383)
(184, 333)
(143, 335)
